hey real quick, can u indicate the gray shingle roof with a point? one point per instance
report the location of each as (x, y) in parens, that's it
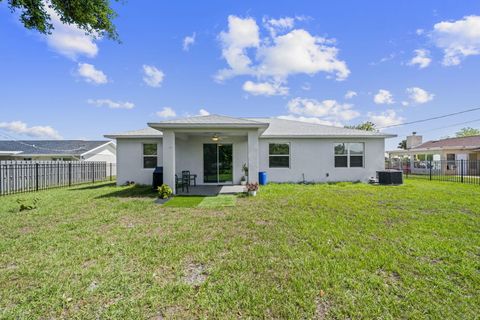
(210, 119)
(292, 128)
(275, 127)
(142, 133)
(54, 147)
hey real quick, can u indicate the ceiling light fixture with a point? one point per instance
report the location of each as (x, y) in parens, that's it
(215, 137)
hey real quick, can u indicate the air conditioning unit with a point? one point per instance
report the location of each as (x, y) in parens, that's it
(390, 177)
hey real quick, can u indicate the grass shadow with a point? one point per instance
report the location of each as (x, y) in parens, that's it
(94, 186)
(134, 191)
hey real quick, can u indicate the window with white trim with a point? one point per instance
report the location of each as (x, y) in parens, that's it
(279, 155)
(349, 155)
(150, 155)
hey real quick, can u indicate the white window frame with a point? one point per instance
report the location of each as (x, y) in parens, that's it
(280, 155)
(148, 155)
(348, 155)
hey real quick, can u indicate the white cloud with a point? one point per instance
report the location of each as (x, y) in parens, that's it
(188, 41)
(383, 97)
(70, 40)
(19, 127)
(457, 39)
(386, 118)
(405, 103)
(421, 58)
(241, 34)
(111, 104)
(300, 52)
(310, 120)
(418, 95)
(387, 58)
(91, 74)
(152, 76)
(278, 25)
(420, 31)
(275, 58)
(350, 94)
(264, 88)
(167, 112)
(327, 110)
(203, 112)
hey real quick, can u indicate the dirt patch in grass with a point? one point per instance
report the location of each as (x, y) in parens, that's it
(26, 230)
(322, 306)
(389, 277)
(195, 274)
(263, 223)
(164, 275)
(171, 312)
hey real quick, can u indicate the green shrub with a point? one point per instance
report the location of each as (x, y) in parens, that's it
(164, 191)
(25, 204)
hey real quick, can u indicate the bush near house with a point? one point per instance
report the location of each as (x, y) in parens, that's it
(294, 251)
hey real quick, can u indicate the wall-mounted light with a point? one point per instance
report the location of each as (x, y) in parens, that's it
(215, 137)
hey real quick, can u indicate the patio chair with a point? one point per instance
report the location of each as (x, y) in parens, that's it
(190, 177)
(182, 183)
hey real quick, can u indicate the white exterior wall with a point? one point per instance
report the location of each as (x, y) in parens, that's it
(314, 158)
(130, 160)
(189, 155)
(106, 153)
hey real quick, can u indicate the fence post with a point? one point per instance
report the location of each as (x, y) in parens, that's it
(36, 176)
(461, 169)
(110, 171)
(93, 172)
(408, 167)
(69, 174)
(430, 166)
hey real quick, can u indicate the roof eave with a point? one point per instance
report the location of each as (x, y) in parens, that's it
(329, 136)
(157, 125)
(126, 136)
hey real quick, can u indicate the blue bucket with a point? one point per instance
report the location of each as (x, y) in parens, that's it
(262, 178)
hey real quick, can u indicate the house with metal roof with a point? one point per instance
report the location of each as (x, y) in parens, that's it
(217, 148)
(54, 150)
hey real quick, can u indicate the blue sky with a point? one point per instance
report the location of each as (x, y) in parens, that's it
(400, 61)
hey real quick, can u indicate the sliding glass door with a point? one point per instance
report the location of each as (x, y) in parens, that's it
(217, 163)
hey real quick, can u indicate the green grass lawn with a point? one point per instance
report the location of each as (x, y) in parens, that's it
(294, 251)
(212, 202)
(184, 202)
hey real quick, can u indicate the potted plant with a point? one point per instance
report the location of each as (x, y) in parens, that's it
(252, 188)
(164, 191)
(243, 180)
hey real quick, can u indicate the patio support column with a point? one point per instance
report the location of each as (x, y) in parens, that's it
(253, 156)
(169, 158)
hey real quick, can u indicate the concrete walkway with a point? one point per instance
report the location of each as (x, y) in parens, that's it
(208, 190)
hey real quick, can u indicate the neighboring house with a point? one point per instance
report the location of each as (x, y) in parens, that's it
(54, 150)
(216, 147)
(446, 154)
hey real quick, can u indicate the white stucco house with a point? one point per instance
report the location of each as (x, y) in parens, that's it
(216, 147)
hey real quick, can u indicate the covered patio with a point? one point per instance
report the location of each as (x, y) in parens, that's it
(213, 148)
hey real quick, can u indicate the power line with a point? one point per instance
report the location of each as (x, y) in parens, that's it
(452, 125)
(432, 118)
